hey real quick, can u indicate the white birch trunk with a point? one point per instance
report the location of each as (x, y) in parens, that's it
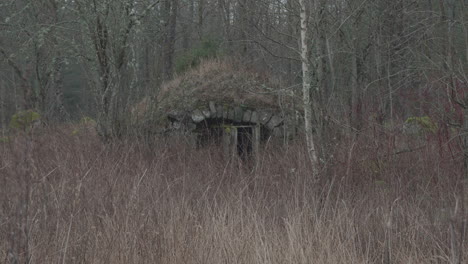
(306, 80)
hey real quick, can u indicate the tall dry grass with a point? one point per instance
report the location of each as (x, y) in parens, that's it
(71, 199)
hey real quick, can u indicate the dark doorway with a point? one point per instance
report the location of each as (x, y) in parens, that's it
(244, 141)
(238, 138)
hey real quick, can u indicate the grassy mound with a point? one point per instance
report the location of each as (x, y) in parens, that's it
(219, 81)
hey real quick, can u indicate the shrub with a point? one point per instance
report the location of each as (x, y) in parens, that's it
(24, 120)
(420, 124)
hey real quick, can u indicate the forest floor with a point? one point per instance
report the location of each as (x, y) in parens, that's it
(66, 197)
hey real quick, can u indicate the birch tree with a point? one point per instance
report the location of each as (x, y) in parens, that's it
(306, 88)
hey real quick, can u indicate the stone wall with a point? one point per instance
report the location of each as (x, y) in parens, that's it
(279, 124)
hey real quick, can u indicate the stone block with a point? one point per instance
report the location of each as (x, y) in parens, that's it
(247, 115)
(254, 117)
(264, 117)
(219, 111)
(231, 114)
(212, 107)
(175, 115)
(275, 121)
(206, 113)
(238, 114)
(197, 116)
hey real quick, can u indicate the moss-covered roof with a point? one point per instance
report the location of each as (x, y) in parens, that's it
(220, 82)
(220, 88)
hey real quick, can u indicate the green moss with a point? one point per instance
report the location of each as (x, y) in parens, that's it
(4, 139)
(24, 120)
(84, 124)
(227, 128)
(87, 120)
(424, 122)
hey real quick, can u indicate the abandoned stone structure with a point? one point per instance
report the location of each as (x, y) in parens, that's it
(218, 102)
(240, 129)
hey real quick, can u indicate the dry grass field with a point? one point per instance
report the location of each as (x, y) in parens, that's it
(68, 198)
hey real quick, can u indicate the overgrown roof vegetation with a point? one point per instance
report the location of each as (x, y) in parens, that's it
(221, 81)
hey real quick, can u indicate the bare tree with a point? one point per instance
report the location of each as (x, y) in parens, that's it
(39, 62)
(107, 28)
(169, 23)
(306, 84)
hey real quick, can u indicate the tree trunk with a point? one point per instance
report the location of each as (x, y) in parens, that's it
(61, 113)
(168, 39)
(189, 26)
(2, 106)
(241, 21)
(464, 24)
(355, 91)
(306, 87)
(332, 68)
(201, 7)
(224, 9)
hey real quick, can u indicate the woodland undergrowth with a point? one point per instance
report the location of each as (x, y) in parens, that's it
(68, 198)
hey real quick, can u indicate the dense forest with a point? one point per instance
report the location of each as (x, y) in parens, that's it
(377, 174)
(386, 60)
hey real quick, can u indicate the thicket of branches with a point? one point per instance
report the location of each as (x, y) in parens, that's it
(353, 63)
(384, 60)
